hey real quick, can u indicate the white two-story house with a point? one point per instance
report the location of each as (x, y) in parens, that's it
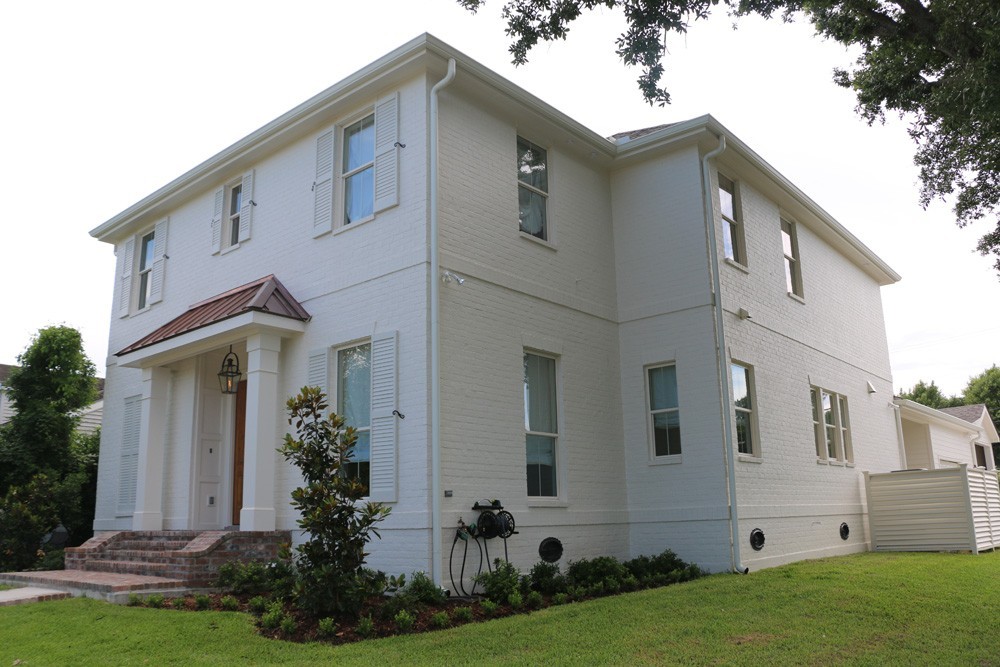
(644, 342)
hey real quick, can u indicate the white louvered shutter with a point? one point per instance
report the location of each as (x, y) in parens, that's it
(220, 198)
(318, 372)
(159, 261)
(246, 207)
(323, 185)
(125, 258)
(128, 465)
(386, 152)
(383, 425)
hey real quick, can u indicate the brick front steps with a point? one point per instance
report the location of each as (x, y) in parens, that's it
(113, 564)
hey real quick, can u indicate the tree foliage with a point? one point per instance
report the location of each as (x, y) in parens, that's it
(930, 395)
(935, 63)
(985, 388)
(332, 579)
(54, 380)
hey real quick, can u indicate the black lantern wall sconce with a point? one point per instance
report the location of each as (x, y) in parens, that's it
(229, 376)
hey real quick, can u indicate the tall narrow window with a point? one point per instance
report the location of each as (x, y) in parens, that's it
(235, 204)
(664, 411)
(732, 232)
(540, 424)
(533, 188)
(146, 256)
(354, 399)
(790, 246)
(359, 170)
(746, 442)
(832, 426)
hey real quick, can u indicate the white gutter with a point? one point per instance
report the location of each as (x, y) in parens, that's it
(720, 357)
(436, 549)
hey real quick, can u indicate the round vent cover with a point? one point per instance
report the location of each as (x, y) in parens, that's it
(757, 539)
(550, 550)
(845, 531)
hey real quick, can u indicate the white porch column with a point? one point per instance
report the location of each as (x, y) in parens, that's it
(148, 514)
(261, 440)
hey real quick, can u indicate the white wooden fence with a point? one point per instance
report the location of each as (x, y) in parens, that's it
(947, 509)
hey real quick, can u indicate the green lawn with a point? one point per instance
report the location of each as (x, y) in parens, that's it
(866, 609)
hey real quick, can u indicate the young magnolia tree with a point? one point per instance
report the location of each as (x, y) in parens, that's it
(332, 579)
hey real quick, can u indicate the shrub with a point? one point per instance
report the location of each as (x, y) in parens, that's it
(202, 602)
(534, 600)
(155, 601)
(463, 614)
(501, 582)
(546, 578)
(54, 559)
(273, 617)
(422, 589)
(404, 621)
(254, 577)
(229, 603)
(515, 600)
(440, 619)
(612, 585)
(366, 626)
(257, 605)
(134, 600)
(330, 576)
(179, 603)
(26, 514)
(489, 607)
(595, 570)
(326, 628)
(288, 625)
(560, 598)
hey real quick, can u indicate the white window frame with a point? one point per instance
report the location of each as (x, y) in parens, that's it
(793, 265)
(546, 233)
(346, 175)
(732, 226)
(651, 414)
(751, 412)
(837, 434)
(554, 436)
(144, 273)
(339, 402)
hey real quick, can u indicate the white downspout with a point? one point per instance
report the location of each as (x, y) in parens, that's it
(720, 356)
(899, 436)
(436, 550)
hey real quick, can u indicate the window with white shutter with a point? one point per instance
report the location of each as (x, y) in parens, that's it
(323, 185)
(126, 256)
(128, 463)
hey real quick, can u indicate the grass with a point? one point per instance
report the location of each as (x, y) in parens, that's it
(870, 609)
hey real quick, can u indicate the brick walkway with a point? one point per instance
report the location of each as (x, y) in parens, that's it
(30, 594)
(109, 586)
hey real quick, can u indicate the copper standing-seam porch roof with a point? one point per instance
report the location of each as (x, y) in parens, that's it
(265, 295)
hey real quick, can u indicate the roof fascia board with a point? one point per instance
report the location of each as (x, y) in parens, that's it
(921, 413)
(210, 337)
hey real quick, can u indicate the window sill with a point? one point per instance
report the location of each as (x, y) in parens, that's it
(535, 239)
(229, 249)
(353, 225)
(673, 459)
(736, 265)
(795, 297)
(534, 501)
(747, 458)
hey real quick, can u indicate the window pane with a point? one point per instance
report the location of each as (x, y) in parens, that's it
(667, 433)
(812, 399)
(729, 248)
(786, 238)
(235, 200)
(741, 386)
(354, 385)
(541, 465)
(726, 197)
(531, 213)
(540, 394)
(531, 165)
(743, 433)
(359, 196)
(359, 144)
(359, 466)
(831, 442)
(828, 416)
(145, 286)
(662, 388)
(790, 277)
(146, 256)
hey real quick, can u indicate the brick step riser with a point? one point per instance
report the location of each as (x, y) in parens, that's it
(148, 545)
(126, 567)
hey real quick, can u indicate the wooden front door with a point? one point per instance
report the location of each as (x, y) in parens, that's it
(239, 433)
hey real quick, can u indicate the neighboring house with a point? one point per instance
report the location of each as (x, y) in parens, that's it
(648, 342)
(90, 417)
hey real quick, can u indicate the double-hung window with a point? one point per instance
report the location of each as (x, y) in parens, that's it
(235, 205)
(354, 394)
(832, 426)
(732, 223)
(147, 248)
(664, 410)
(359, 170)
(532, 188)
(790, 246)
(541, 424)
(746, 439)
